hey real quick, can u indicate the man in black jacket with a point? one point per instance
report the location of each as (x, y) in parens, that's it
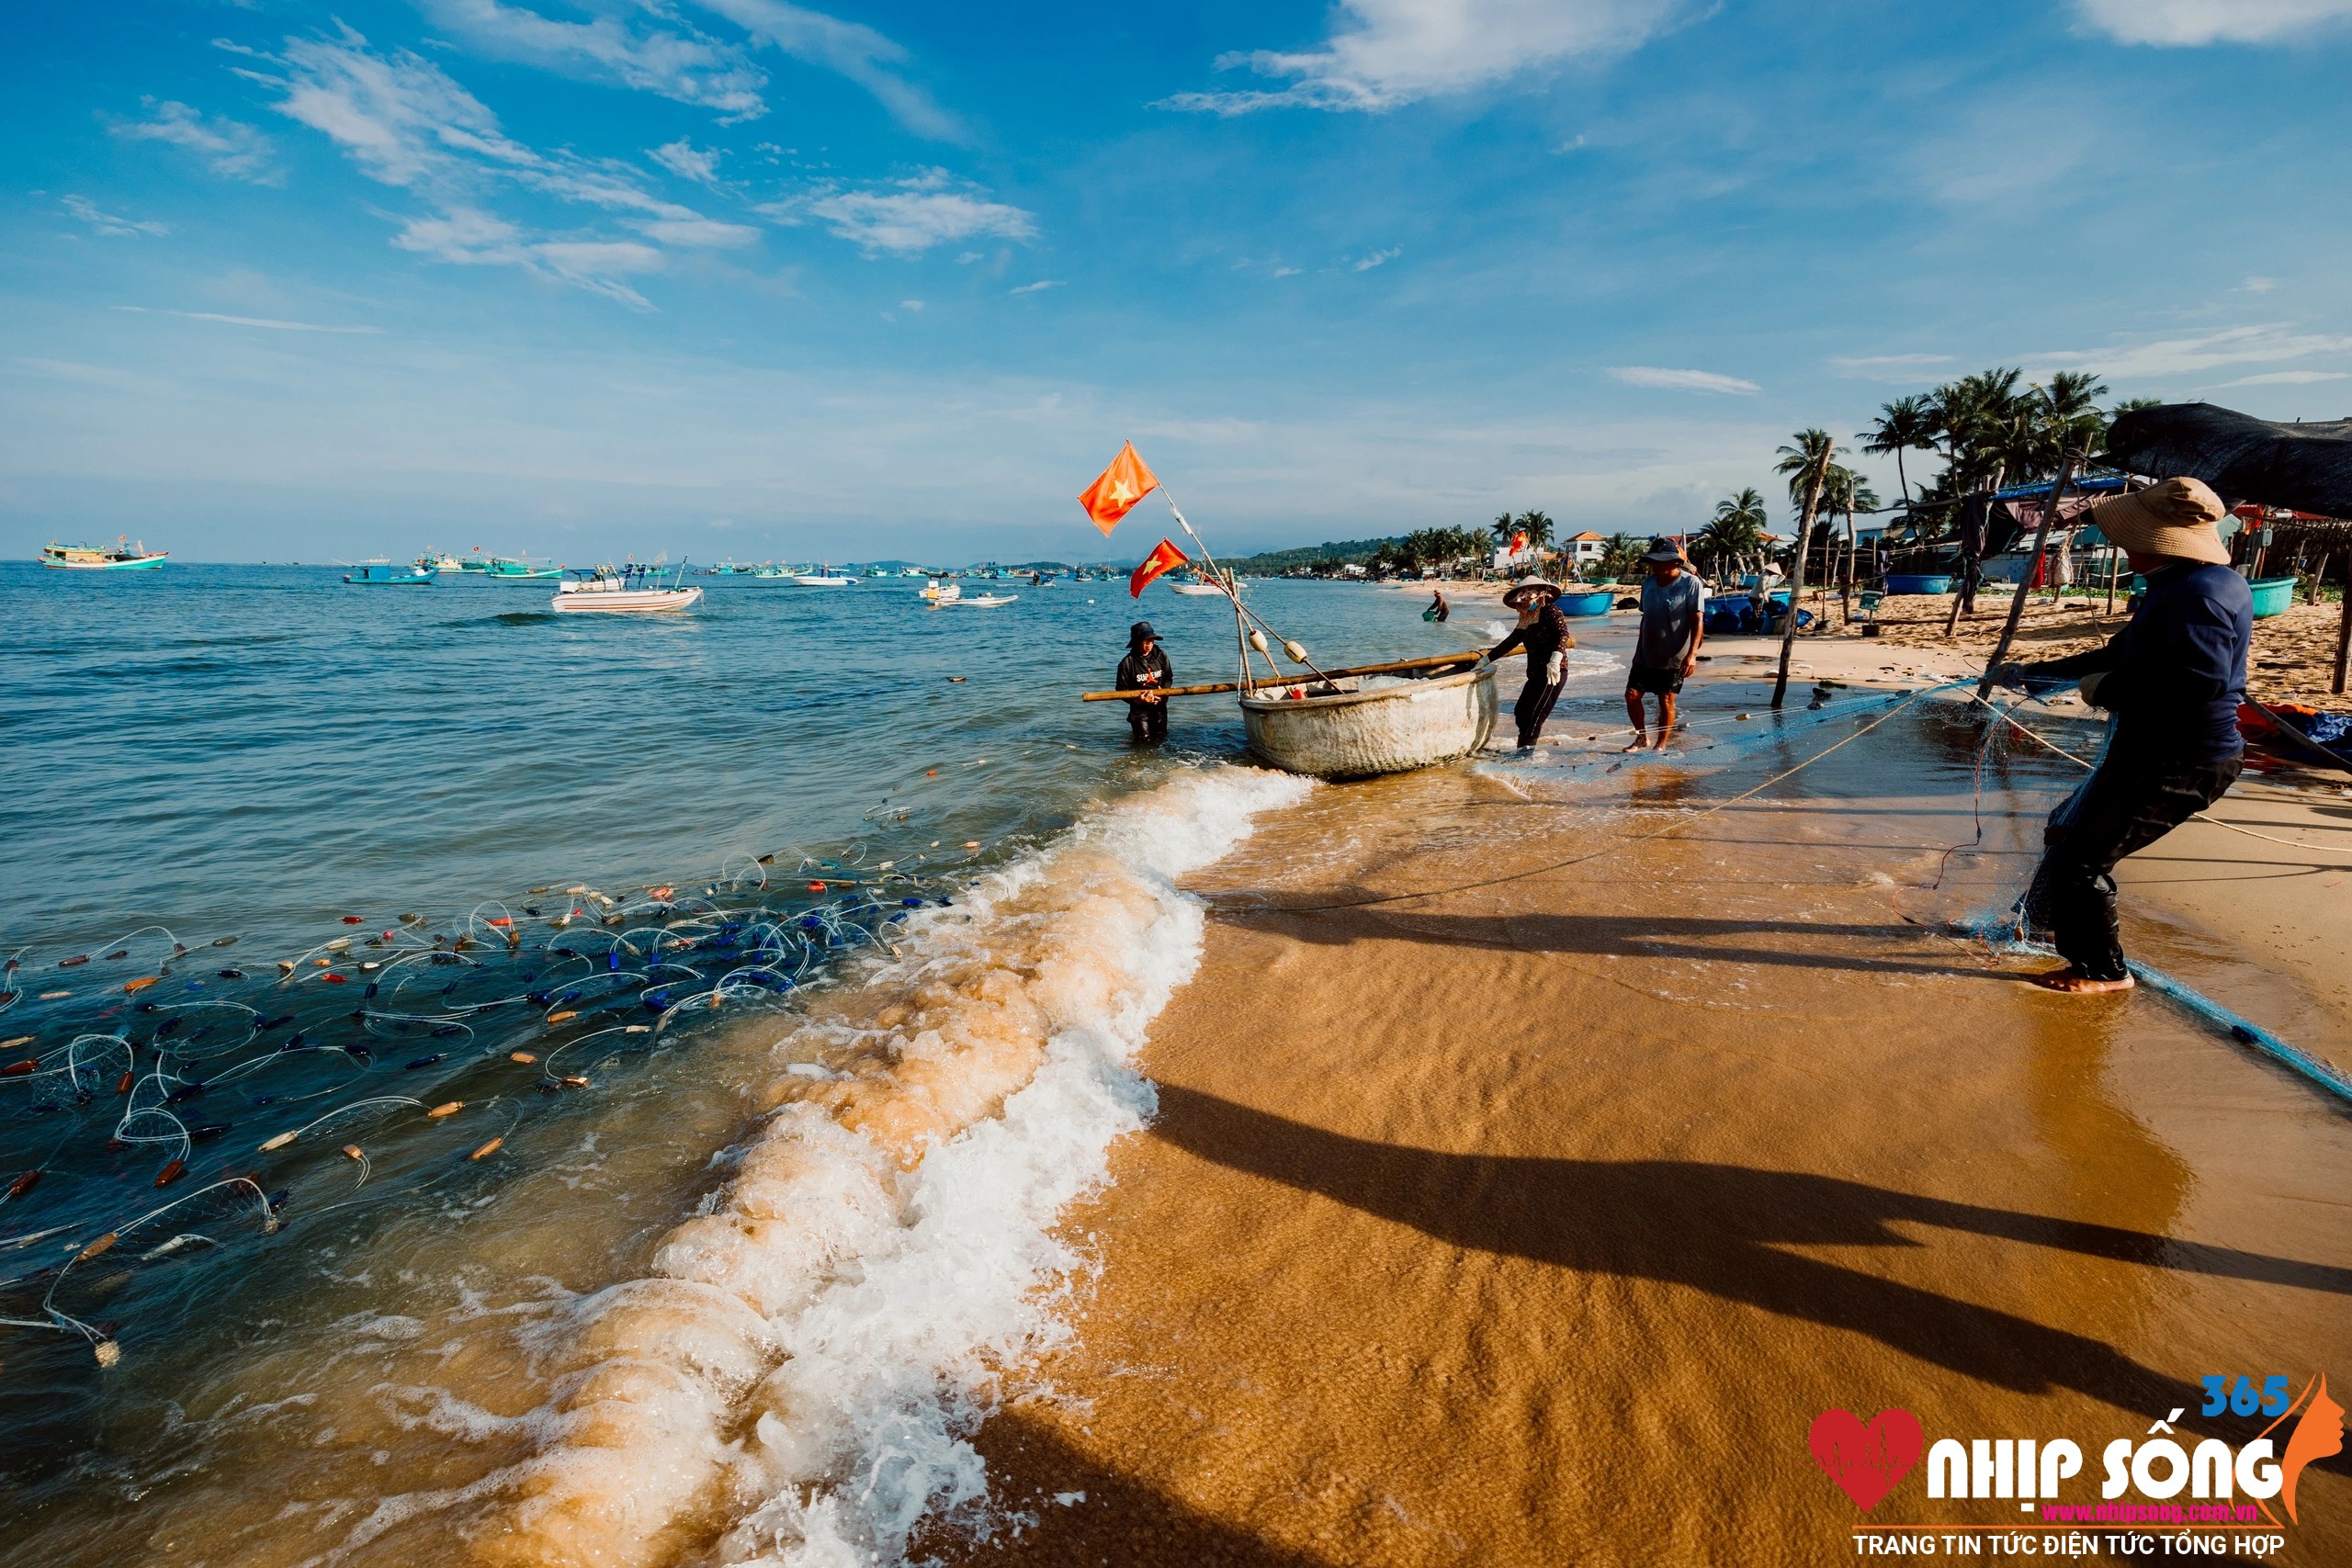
(1146, 669)
(2173, 680)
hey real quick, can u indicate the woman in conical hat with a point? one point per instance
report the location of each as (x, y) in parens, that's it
(1544, 632)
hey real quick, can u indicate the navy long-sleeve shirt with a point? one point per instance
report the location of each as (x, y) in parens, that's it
(2174, 678)
(1545, 637)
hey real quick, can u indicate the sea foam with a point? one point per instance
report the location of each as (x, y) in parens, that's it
(796, 1380)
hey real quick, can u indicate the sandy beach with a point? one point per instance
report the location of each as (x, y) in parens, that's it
(1522, 1187)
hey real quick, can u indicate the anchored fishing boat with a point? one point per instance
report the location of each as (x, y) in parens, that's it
(623, 589)
(512, 569)
(124, 557)
(1337, 724)
(941, 590)
(440, 561)
(825, 577)
(384, 574)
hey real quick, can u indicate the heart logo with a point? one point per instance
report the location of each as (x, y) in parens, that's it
(1865, 1462)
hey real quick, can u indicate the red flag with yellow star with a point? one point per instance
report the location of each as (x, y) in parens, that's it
(1115, 495)
(1166, 558)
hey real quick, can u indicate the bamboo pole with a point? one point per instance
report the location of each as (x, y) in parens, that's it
(2017, 604)
(1395, 667)
(2343, 637)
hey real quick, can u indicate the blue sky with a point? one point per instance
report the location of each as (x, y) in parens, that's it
(741, 277)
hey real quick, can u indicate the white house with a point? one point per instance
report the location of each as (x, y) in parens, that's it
(1582, 549)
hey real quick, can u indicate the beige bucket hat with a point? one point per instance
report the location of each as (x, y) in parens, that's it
(2175, 518)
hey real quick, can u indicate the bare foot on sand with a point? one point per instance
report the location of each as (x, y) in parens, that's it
(2076, 984)
(1639, 742)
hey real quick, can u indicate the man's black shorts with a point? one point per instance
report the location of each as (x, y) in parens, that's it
(1656, 682)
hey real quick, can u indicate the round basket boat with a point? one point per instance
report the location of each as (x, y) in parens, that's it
(1390, 729)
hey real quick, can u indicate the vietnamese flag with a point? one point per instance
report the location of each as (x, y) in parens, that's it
(1166, 558)
(1115, 495)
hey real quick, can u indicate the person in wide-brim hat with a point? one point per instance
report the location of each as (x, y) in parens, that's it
(1141, 633)
(1526, 588)
(2173, 679)
(1146, 669)
(1663, 550)
(2180, 518)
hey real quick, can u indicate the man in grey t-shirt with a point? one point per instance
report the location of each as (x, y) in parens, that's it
(1673, 623)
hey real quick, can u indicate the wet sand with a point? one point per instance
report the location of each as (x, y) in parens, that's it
(1534, 1222)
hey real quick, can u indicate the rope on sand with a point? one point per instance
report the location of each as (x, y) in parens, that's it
(1675, 826)
(2188, 999)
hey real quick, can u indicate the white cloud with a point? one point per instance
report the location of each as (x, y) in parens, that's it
(675, 61)
(405, 123)
(910, 304)
(911, 215)
(2186, 357)
(1379, 258)
(2257, 286)
(106, 223)
(1681, 380)
(247, 321)
(2289, 378)
(1893, 368)
(2191, 22)
(1287, 271)
(1037, 288)
(682, 159)
(231, 147)
(1385, 53)
(853, 50)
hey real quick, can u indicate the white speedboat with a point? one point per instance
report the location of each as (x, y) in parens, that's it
(825, 578)
(623, 589)
(984, 602)
(943, 590)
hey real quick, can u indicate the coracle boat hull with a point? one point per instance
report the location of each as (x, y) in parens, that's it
(1388, 730)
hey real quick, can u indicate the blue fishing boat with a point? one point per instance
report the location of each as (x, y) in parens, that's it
(508, 568)
(384, 574)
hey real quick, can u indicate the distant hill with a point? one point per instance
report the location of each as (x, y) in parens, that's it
(1340, 552)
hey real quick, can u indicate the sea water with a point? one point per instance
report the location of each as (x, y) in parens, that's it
(774, 970)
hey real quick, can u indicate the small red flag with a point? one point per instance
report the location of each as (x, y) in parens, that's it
(1114, 493)
(1166, 558)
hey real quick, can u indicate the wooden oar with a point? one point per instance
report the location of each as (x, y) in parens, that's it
(1389, 669)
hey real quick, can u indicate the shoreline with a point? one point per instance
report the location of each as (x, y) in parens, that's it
(1464, 1220)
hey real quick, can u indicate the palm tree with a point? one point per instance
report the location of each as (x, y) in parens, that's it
(1737, 530)
(1502, 528)
(1906, 424)
(1622, 556)
(1812, 448)
(1537, 526)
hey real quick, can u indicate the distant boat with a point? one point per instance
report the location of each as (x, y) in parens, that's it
(984, 602)
(507, 569)
(825, 578)
(1199, 587)
(124, 557)
(772, 572)
(624, 588)
(943, 590)
(442, 560)
(384, 574)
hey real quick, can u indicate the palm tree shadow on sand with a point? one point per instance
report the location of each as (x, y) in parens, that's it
(1722, 1229)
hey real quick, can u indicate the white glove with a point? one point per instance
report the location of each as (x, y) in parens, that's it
(1554, 668)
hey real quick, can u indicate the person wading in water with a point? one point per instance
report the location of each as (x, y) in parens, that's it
(1146, 669)
(2173, 680)
(1673, 623)
(1544, 632)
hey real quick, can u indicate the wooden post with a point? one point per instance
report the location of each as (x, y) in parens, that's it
(1846, 593)
(2343, 635)
(2016, 605)
(1796, 577)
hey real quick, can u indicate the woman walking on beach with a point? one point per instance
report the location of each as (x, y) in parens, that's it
(2173, 679)
(1543, 631)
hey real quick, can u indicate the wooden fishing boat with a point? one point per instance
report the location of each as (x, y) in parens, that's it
(622, 590)
(124, 557)
(384, 574)
(1357, 726)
